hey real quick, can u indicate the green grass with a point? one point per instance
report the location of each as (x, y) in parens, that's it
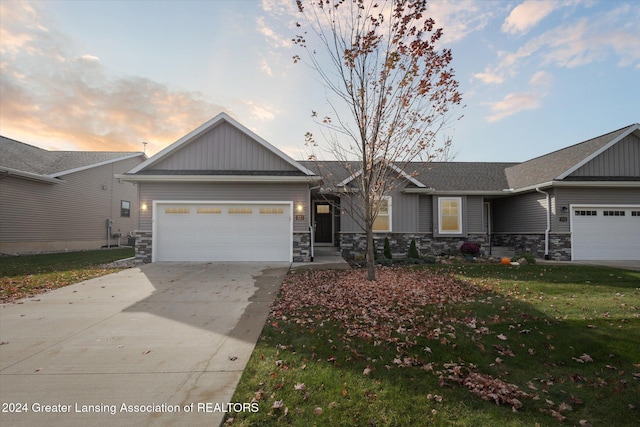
(30, 275)
(572, 344)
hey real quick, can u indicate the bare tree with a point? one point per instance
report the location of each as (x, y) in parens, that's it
(390, 92)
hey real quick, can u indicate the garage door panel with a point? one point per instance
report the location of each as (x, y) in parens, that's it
(223, 232)
(606, 233)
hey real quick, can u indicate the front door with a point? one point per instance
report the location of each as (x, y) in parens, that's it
(323, 223)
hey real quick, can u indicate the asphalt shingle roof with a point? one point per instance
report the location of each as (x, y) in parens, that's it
(27, 158)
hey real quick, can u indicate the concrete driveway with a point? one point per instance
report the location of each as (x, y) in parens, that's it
(160, 345)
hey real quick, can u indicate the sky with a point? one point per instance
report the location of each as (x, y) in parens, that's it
(536, 76)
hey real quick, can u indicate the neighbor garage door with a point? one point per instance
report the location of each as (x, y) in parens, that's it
(605, 232)
(222, 231)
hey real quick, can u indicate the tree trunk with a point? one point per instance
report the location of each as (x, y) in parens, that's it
(371, 261)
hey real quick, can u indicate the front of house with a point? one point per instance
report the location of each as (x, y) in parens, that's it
(222, 193)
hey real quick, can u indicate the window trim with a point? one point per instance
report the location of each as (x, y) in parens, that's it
(389, 215)
(440, 203)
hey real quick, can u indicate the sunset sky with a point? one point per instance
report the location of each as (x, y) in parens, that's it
(536, 76)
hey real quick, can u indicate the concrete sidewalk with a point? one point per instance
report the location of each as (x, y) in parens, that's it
(160, 345)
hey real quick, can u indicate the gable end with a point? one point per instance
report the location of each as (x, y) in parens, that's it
(620, 161)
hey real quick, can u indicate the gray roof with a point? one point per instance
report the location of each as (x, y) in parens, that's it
(489, 177)
(549, 167)
(23, 157)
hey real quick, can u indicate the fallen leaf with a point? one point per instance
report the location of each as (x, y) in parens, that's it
(502, 337)
(299, 386)
(278, 404)
(318, 411)
(232, 358)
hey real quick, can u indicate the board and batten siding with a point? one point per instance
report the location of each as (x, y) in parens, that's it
(474, 213)
(591, 196)
(425, 214)
(225, 192)
(621, 160)
(522, 213)
(224, 148)
(404, 214)
(75, 210)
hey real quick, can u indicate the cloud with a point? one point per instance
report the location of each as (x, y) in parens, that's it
(540, 84)
(576, 43)
(527, 15)
(460, 18)
(52, 96)
(274, 38)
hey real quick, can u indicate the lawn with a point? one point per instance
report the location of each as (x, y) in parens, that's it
(462, 345)
(29, 275)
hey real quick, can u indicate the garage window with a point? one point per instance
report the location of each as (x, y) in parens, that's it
(271, 211)
(635, 213)
(613, 213)
(209, 211)
(586, 213)
(177, 210)
(240, 211)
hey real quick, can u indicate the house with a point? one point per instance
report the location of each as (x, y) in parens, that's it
(61, 200)
(223, 193)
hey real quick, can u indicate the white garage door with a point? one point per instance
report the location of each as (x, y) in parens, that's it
(605, 232)
(196, 231)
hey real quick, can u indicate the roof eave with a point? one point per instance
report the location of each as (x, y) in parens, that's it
(217, 178)
(95, 165)
(30, 176)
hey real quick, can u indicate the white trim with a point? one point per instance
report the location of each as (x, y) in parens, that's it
(204, 128)
(453, 233)
(333, 222)
(401, 172)
(215, 178)
(390, 215)
(596, 206)
(30, 175)
(95, 165)
(154, 223)
(596, 153)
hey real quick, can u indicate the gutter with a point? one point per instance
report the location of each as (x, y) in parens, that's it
(215, 178)
(546, 232)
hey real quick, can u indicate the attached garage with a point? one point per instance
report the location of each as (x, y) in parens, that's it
(610, 232)
(222, 231)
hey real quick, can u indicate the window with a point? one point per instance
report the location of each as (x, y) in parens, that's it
(383, 220)
(177, 210)
(635, 213)
(271, 211)
(613, 213)
(586, 213)
(125, 208)
(323, 209)
(209, 211)
(240, 211)
(450, 215)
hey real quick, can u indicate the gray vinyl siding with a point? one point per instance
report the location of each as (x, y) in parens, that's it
(404, 214)
(473, 214)
(523, 213)
(224, 148)
(623, 159)
(591, 196)
(425, 214)
(74, 210)
(193, 191)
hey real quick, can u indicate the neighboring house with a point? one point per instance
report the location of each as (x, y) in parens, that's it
(61, 200)
(223, 193)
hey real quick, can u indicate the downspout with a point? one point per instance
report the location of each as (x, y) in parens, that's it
(546, 232)
(311, 229)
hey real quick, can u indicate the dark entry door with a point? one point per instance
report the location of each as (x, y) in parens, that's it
(323, 223)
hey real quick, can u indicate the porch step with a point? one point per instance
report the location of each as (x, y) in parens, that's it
(326, 251)
(502, 251)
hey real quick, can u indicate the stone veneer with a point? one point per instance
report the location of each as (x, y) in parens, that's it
(143, 246)
(301, 246)
(559, 244)
(353, 245)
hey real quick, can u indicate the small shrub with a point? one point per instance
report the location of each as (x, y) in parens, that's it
(387, 249)
(469, 248)
(413, 250)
